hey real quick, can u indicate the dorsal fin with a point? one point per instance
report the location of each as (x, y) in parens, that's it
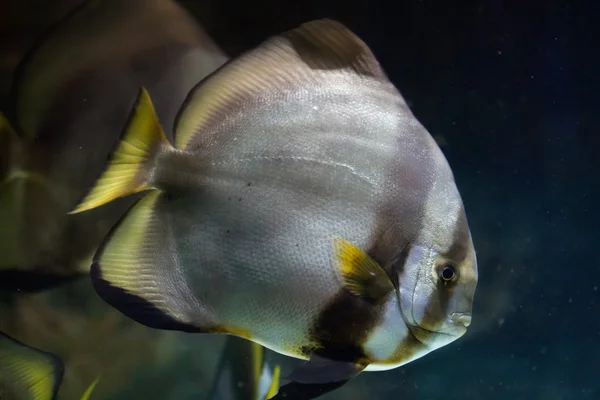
(308, 53)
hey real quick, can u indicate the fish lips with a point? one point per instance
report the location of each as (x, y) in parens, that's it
(433, 339)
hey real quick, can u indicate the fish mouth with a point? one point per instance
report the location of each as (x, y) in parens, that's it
(427, 337)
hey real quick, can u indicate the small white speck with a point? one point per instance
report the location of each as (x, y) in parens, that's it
(570, 300)
(595, 288)
(499, 52)
(315, 108)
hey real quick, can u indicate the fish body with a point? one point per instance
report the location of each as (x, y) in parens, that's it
(301, 206)
(71, 98)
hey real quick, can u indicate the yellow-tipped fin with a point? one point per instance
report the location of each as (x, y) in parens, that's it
(274, 383)
(90, 389)
(128, 170)
(26, 372)
(360, 274)
(132, 269)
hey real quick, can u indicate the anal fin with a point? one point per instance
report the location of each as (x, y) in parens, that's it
(136, 270)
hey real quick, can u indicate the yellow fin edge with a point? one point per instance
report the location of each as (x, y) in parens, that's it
(128, 170)
(361, 275)
(273, 389)
(90, 389)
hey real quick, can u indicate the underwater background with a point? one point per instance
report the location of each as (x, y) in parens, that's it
(510, 91)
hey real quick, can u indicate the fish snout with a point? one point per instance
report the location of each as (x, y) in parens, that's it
(463, 319)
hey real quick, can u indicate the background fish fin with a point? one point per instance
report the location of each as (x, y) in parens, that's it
(136, 269)
(26, 372)
(90, 389)
(306, 391)
(26, 202)
(7, 139)
(361, 275)
(32, 280)
(7, 133)
(128, 170)
(308, 54)
(274, 387)
(242, 372)
(324, 370)
(222, 384)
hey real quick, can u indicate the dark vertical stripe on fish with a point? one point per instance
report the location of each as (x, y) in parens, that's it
(342, 328)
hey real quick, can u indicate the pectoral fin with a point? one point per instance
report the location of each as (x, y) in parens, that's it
(360, 274)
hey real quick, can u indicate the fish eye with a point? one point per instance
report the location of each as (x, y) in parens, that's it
(447, 272)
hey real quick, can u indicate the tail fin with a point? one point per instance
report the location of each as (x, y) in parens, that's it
(129, 170)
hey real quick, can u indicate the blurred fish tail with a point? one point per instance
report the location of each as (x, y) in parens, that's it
(131, 167)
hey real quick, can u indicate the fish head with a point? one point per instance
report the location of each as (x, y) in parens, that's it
(438, 277)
